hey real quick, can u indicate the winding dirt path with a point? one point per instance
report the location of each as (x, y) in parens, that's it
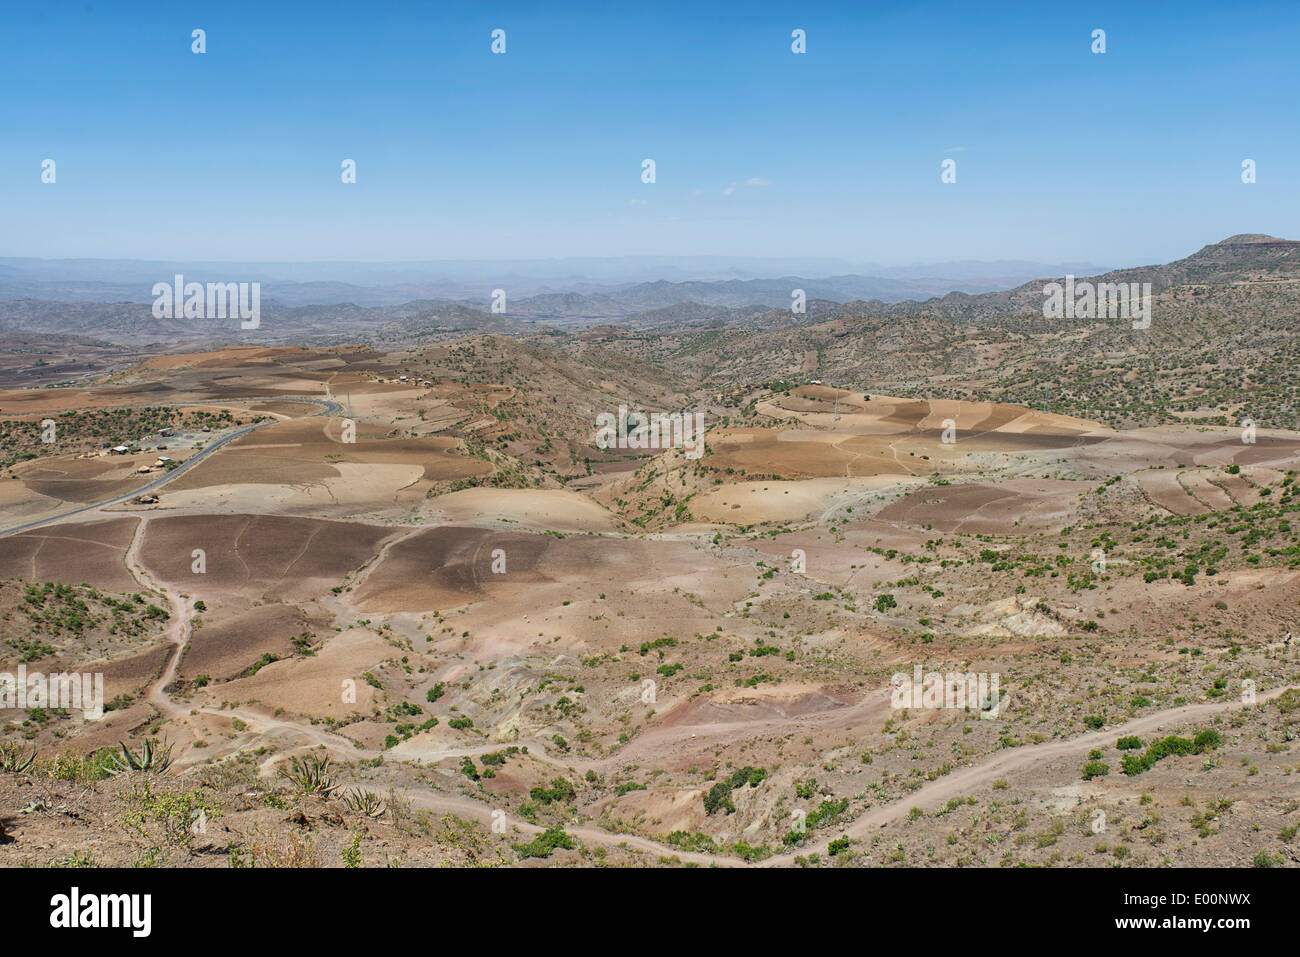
(983, 773)
(178, 628)
(929, 796)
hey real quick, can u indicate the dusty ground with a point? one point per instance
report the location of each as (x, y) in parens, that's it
(675, 660)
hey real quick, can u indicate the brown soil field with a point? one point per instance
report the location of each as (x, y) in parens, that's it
(310, 686)
(990, 509)
(305, 452)
(82, 481)
(282, 558)
(544, 509)
(73, 552)
(801, 455)
(449, 565)
(19, 504)
(1172, 446)
(228, 646)
(892, 414)
(129, 675)
(888, 436)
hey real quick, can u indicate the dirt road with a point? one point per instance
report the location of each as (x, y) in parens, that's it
(984, 773)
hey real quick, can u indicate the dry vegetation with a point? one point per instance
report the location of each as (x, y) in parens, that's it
(472, 637)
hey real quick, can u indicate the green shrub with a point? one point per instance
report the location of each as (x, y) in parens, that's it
(543, 844)
(560, 790)
(1095, 769)
(1204, 741)
(719, 796)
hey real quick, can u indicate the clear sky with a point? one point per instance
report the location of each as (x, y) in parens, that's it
(1128, 157)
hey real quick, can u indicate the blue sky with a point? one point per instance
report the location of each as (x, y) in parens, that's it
(1128, 157)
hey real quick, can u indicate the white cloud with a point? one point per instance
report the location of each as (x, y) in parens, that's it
(752, 181)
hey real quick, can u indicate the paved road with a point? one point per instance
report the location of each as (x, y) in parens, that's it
(327, 408)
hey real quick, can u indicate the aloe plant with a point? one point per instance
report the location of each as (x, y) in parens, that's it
(364, 802)
(309, 775)
(150, 759)
(11, 758)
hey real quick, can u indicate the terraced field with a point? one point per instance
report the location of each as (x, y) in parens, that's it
(675, 658)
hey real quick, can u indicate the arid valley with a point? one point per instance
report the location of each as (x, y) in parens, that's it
(386, 599)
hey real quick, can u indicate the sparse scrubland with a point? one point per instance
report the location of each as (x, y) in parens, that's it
(437, 624)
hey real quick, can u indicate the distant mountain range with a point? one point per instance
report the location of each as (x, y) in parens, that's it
(64, 297)
(1247, 256)
(544, 289)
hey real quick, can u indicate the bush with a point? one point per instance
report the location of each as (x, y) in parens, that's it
(167, 816)
(1095, 769)
(1132, 764)
(1206, 740)
(1131, 743)
(543, 844)
(719, 796)
(560, 790)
